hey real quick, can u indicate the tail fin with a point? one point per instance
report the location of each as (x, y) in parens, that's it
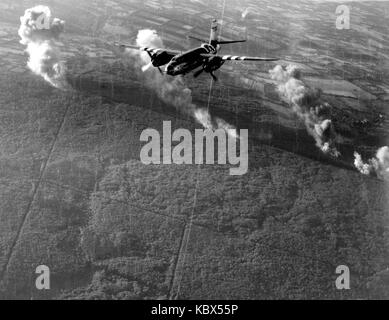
(233, 41)
(214, 37)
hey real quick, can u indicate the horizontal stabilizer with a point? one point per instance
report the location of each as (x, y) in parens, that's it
(198, 39)
(217, 42)
(232, 41)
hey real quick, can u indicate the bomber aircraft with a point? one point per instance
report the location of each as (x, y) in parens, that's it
(204, 57)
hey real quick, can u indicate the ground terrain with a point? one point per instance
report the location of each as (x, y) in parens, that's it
(74, 195)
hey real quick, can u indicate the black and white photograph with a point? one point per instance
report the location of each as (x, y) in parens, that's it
(194, 150)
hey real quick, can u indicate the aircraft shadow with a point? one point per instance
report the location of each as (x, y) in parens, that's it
(276, 135)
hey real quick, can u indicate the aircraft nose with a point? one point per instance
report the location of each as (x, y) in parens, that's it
(170, 68)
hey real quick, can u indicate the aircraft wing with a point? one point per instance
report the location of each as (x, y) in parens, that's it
(150, 50)
(238, 58)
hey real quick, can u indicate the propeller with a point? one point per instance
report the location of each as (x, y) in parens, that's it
(147, 67)
(213, 76)
(198, 72)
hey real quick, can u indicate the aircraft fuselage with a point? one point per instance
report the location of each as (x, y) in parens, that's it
(188, 61)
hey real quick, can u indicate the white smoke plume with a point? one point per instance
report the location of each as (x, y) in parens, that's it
(306, 103)
(378, 165)
(230, 129)
(171, 90)
(38, 31)
(205, 119)
(246, 12)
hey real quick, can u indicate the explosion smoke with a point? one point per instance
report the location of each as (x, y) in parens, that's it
(205, 119)
(171, 90)
(246, 12)
(378, 165)
(38, 31)
(306, 104)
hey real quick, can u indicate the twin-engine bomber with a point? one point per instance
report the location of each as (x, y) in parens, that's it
(204, 57)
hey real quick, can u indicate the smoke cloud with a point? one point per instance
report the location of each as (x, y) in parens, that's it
(204, 118)
(306, 103)
(378, 165)
(246, 12)
(38, 31)
(172, 90)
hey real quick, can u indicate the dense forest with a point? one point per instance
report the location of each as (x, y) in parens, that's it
(75, 197)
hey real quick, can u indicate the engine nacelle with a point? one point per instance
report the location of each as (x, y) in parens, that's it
(213, 64)
(160, 58)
